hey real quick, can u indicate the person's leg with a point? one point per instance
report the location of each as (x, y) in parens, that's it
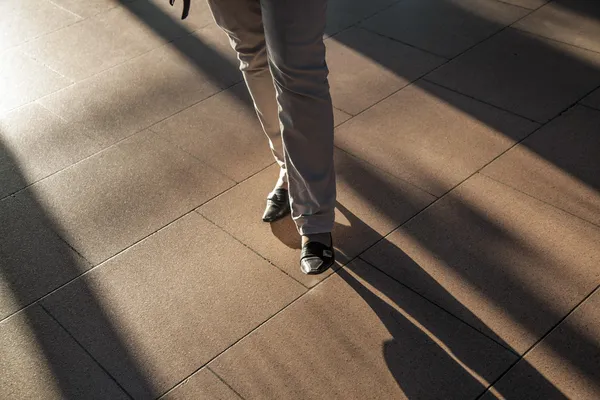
(242, 21)
(294, 37)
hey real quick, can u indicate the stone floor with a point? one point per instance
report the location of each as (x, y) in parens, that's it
(133, 174)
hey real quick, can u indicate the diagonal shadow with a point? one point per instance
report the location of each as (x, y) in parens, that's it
(521, 299)
(34, 258)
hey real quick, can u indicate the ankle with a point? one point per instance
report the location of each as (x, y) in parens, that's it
(324, 238)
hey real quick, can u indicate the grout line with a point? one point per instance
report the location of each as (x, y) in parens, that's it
(544, 336)
(546, 38)
(387, 173)
(587, 106)
(518, 6)
(423, 76)
(31, 39)
(69, 11)
(363, 19)
(252, 331)
(43, 64)
(163, 43)
(100, 263)
(85, 351)
(540, 200)
(119, 141)
(368, 29)
(440, 85)
(250, 248)
(504, 346)
(227, 384)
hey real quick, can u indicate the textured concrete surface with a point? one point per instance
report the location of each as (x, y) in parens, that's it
(133, 177)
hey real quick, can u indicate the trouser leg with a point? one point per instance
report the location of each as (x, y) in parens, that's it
(292, 99)
(242, 21)
(294, 37)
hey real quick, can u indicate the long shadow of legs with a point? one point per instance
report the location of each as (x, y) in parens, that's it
(34, 261)
(520, 300)
(426, 357)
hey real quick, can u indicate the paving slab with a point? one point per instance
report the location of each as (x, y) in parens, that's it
(565, 364)
(362, 335)
(430, 136)
(109, 201)
(575, 22)
(558, 164)
(128, 98)
(342, 14)
(160, 310)
(371, 204)
(41, 361)
(222, 131)
(507, 264)
(23, 20)
(98, 43)
(366, 68)
(22, 80)
(34, 259)
(203, 385)
(442, 27)
(39, 143)
(508, 71)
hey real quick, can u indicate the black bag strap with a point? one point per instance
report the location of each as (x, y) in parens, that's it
(186, 7)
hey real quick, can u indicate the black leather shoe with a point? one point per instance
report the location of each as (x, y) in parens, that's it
(278, 205)
(316, 257)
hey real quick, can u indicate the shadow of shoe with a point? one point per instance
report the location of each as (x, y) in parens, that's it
(285, 230)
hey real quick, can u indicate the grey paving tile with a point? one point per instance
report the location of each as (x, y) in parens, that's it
(173, 302)
(558, 164)
(34, 260)
(432, 137)
(593, 100)
(41, 361)
(40, 143)
(362, 335)
(203, 385)
(98, 43)
(576, 22)
(111, 200)
(507, 264)
(222, 131)
(23, 80)
(89, 8)
(342, 14)
(511, 71)
(24, 20)
(443, 27)
(565, 364)
(371, 204)
(143, 91)
(366, 68)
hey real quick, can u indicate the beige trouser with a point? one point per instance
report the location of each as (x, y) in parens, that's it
(282, 57)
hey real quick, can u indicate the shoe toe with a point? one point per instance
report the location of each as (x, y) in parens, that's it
(311, 265)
